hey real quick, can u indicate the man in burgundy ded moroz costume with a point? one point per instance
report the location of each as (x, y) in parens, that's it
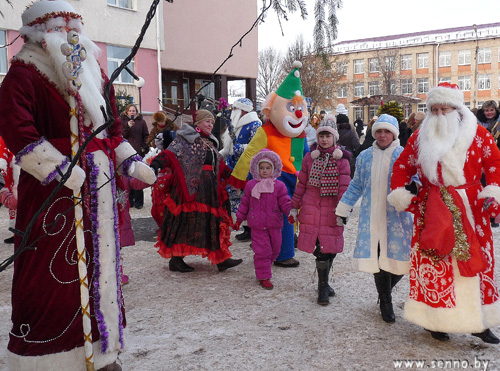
(36, 110)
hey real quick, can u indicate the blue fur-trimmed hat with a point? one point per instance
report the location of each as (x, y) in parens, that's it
(387, 122)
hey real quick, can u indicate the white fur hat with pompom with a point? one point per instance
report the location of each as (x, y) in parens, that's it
(329, 124)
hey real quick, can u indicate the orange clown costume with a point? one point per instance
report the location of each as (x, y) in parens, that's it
(283, 133)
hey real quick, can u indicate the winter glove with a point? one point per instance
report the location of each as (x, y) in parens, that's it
(292, 216)
(341, 220)
(141, 171)
(75, 180)
(488, 202)
(236, 226)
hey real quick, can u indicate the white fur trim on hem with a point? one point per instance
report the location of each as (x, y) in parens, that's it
(466, 317)
(400, 198)
(72, 360)
(490, 191)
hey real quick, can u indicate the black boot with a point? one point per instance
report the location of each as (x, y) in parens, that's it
(323, 270)
(395, 278)
(487, 336)
(383, 284)
(441, 336)
(228, 263)
(245, 235)
(177, 264)
(331, 291)
(329, 258)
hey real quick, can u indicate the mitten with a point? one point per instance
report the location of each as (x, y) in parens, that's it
(236, 226)
(488, 202)
(341, 220)
(141, 171)
(292, 216)
(75, 180)
(412, 187)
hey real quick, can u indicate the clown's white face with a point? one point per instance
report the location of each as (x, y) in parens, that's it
(288, 117)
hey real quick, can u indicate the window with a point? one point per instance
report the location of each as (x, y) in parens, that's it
(185, 92)
(358, 113)
(444, 59)
(406, 87)
(422, 86)
(3, 52)
(423, 60)
(467, 104)
(127, 4)
(373, 88)
(484, 55)
(483, 82)
(374, 65)
(372, 112)
(406, 62)
(407, 110)
(208, 91)
(445, 79)
(359, 66)
(359, 89)
(116, 55)
(341, 91)
(393, 88)
(390, 63)
(464, 83)
(342, 68)
(463, 57)
(422, 107)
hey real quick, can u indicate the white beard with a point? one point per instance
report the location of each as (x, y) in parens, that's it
(438, 134)
(91, 89)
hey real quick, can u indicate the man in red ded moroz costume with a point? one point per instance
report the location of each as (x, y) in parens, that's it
(49, 103)
(283, 133)
(452, 283)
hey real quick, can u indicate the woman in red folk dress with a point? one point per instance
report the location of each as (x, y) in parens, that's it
(452, 283)
(196, 219)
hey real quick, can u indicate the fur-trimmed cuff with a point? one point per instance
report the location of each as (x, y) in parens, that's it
(400, 198)
(343, 210)
(490, 191)
(41, 160)
(142, 172)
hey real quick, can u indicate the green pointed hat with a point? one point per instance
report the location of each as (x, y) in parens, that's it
(290, 87)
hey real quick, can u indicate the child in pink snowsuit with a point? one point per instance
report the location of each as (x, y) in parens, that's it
(264, 202)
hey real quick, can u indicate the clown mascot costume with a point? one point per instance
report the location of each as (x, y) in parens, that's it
(283, 133)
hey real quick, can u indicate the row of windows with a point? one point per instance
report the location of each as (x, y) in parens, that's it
(127, 4)
(445, 57)
(406, 86)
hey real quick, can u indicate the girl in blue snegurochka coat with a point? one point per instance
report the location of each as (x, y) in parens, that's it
(384, 235)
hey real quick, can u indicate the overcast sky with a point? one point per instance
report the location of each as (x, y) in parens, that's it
(359, 19)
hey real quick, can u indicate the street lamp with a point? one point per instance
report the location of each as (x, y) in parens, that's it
(474, 26)
(139, 83)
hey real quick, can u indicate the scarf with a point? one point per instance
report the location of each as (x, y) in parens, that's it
(263, 186)
(325, 174)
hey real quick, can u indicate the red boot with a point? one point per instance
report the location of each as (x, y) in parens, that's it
(267, 284)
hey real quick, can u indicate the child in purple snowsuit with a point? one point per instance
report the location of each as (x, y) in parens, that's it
(264, 202)
(323, 179)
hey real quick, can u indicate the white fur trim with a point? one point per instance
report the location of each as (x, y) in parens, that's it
(468, 315)
(490, 191)
(385, 125)
(3, 164)
(242, 106)
(42, 160)
(343, 210)
(442, 95)
(337, 154)
(107, 251)
(70, 360)
(400, 198)
(123, 152)
(41, 8)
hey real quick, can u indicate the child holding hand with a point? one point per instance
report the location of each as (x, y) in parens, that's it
(323, 179)
(264, 202)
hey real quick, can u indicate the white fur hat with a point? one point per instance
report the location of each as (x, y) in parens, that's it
(41, 11)
(341, 109)
(445, 93)
(387, 122)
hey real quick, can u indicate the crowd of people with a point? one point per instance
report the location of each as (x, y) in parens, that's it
(428, 189)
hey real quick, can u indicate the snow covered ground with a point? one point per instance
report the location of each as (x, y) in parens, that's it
(206, 320)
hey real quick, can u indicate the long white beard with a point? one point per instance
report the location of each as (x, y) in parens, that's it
(438, 134)
(91, 89)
